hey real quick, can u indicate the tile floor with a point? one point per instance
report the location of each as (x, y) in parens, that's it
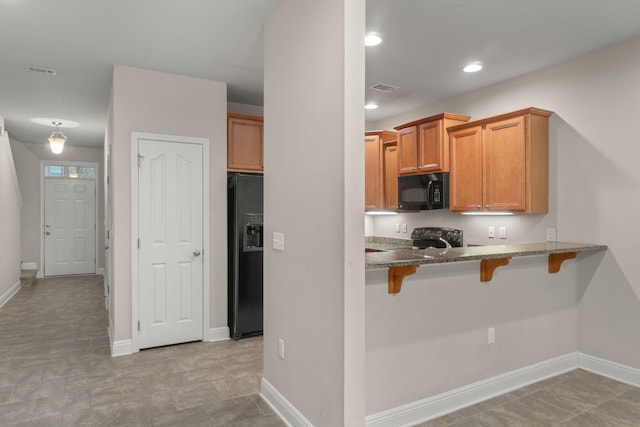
(575, 399)
(56, 370)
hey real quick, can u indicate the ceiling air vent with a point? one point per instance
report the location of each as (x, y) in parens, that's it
(36, 69)
(382, 87)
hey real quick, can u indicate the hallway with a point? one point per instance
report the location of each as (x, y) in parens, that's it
(56, 369)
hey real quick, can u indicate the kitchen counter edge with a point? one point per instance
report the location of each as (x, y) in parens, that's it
(407, 257)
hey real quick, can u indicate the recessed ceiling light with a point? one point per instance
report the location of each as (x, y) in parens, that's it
(371, 106)
(473, 67)
(372, 39)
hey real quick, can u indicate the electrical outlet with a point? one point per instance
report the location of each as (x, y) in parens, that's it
(397, 227)
(491, 335)
(404, 228)
(492, 232)
(281, 348)
(551, 234)
(503, 232)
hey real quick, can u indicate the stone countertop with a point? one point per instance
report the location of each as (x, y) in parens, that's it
(410, 257)
(386, 243)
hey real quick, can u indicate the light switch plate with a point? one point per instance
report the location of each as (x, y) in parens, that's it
(503, 232)
(278, 241)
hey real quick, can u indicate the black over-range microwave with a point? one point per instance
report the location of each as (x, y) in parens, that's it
(423, 192)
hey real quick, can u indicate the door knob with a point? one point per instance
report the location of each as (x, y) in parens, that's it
(106, 248)
(47, 232)
(47, 225)
(196, 253)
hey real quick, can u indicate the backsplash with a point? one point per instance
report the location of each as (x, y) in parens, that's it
(519, 228)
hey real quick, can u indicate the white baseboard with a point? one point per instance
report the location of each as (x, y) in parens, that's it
(281, 406)
(5, 297)
(120, 348)
(606, 368)
(436, 406)
(100, 271)
(29, 266)
(217, 334)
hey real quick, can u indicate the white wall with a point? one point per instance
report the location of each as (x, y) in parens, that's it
(153, 102)
(28, 157)
(314, 193)
(9, 225)
(592, 305)
(432, 336)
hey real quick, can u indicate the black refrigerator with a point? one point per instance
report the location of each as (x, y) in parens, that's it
(245, 241)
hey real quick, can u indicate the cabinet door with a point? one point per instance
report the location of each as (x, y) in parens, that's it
(505, 165)
(391, 176)
(408, 151)
(373, 197)
(430, 150)
(244, 145)
(465, 163)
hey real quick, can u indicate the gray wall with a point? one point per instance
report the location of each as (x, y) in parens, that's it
(592, 305)
(10, 224)
(28, 157)
(314, 193)
(186, 107)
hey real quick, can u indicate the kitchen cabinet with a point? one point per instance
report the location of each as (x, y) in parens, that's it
(390, 154)
(380, 174)
(501, 163)
(244, 143)
(423, 145)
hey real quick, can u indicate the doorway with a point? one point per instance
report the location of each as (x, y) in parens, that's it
(169, 225)
(69, 211)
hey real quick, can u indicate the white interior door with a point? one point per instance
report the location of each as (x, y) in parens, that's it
(170, 226)
(69, 227)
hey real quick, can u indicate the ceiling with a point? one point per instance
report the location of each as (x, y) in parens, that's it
(425, 45)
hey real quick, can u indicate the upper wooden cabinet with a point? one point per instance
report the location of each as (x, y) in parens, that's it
(423, 145)
(390, 160)
(244, 143)
(378, 172)
(501, 163)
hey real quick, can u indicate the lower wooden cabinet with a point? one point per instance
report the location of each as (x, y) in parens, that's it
(381, 170)
(501, 163)
(244, 143)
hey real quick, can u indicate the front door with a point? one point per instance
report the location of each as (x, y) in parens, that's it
(69, 227)
(170, 224)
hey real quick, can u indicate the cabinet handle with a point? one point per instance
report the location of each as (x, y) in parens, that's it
(486, 206)
(478, 207)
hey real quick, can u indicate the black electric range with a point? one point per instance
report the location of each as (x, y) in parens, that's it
(436, 237)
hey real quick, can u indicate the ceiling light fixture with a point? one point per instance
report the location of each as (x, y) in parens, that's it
(372, 39)
(473, 67)
(57, 139)
(371, 106)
